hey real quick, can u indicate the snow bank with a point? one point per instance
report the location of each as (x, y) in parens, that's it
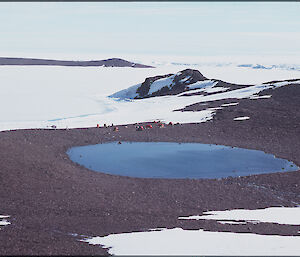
(246, 92)
(260, 97)
(196, 242)
(128, 93)
(155, 108)
(160, 83)
(3, 220)
(184, 79)
(199, 242)
(280, 215)
(232, 222)
(229, 104)
(203, 84)
(242, 118)
(215, 89)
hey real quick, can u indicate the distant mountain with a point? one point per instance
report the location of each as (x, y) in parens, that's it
(187, 80)
(257, 66)
(113, 62)
(270, 67)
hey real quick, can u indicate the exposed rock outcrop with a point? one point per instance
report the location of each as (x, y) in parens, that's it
(168, 84)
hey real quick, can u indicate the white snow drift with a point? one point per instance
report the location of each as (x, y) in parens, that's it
(160, 83)
(242, 118)
(199, 242)
(280, 215)
(229, 104)
(3, 220)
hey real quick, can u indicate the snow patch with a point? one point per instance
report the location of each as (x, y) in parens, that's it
(232, 222)
(205, 90)
(242, 118)
(260, 96)
(215, 89)
(203, 84)
(229, 104)
(196, 242)
(3, 220)
(160, 83)
(184, 79)
(280, 215)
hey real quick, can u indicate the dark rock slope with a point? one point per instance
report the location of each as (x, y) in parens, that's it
(191, 82)
(113, 62)
(174, 83)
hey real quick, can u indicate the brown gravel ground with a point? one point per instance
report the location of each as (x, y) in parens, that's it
(48, 196)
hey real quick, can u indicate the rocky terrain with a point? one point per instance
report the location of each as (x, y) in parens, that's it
(52, 202)
(170, 83)
(209, 95)
(187, 80)
(113, 62)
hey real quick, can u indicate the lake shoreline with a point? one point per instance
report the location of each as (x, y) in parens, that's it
(176, 160)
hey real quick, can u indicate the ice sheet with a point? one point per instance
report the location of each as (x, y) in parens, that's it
(38, 97)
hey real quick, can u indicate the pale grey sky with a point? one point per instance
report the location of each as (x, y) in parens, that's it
(159, 28)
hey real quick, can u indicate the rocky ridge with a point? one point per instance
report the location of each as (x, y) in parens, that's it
(173, 84)
(112, 62)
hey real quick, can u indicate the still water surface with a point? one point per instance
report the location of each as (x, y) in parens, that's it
(176, 160)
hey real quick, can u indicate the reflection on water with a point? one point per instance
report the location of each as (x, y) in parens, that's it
(176, 160)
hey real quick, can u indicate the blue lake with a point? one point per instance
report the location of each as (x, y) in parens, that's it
(176, 160)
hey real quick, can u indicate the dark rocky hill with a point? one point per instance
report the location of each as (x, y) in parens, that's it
(113, 62)
(173, 84)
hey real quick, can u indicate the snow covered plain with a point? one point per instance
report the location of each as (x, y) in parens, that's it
(199, 242)
(38, 97)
